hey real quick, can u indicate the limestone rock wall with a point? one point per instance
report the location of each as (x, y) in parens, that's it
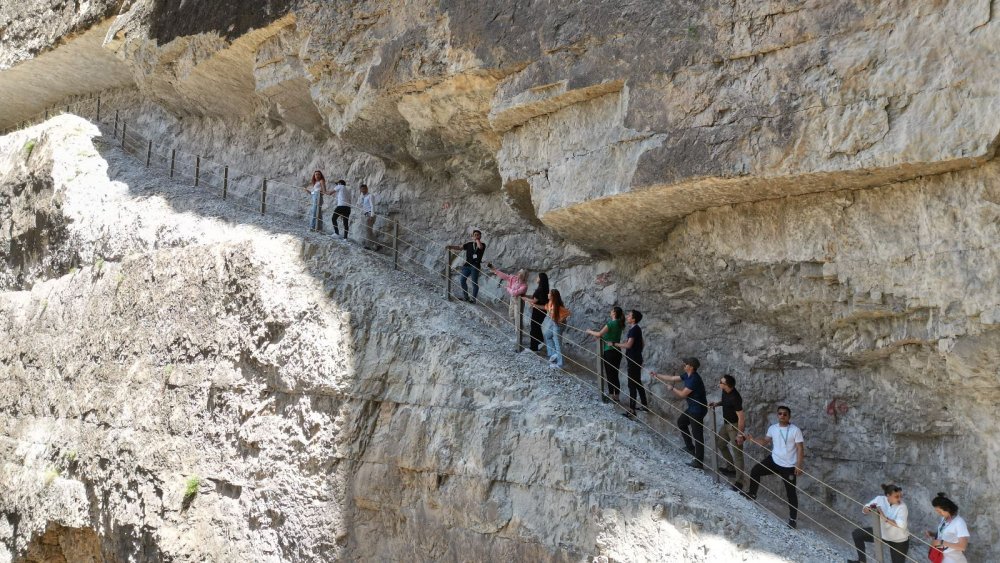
(219, 386)
(802, 194)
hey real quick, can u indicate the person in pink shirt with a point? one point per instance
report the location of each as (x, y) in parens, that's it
(517, 285)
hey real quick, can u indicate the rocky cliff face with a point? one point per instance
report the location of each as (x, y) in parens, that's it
(799, 193)
(210, 385)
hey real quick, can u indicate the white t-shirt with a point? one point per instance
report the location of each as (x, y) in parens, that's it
(317, 187)
(951, 532)
(343, 196)
(368, 203)
(783, 444)
(895, 512)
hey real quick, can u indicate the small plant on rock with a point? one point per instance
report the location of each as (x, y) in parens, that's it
(51, 475)
(29, 147)
(191, 490)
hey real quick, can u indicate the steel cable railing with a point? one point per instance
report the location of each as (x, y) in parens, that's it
(140, 143)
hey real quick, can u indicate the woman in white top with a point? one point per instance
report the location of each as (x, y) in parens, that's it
(893, 516)
(316, 190)
(952, 534)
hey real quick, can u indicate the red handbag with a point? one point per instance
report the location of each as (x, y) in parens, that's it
(936, 555)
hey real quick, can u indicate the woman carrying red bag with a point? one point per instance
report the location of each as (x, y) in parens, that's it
(952, 537)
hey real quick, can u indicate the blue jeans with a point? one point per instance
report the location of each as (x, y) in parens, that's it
(468, 271)
(552, 333)
(315, 220)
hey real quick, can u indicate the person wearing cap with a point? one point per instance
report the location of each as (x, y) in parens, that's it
(691, 421)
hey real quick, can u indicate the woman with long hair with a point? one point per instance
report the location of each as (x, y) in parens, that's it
(316, 189)
(893, 516)
(952, 536)
(538, 300)
(610, 355)
(556, 314)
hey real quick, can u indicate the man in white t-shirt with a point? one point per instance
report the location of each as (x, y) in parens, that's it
(343, 209)
(787, 454)
(368, 208)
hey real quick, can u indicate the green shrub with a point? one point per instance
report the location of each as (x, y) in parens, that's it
(191, 488)
(29, 147)
(51, 476)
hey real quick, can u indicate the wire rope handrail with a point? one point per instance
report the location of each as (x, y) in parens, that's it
(143, 142)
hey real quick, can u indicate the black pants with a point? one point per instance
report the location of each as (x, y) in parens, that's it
(536, 339)
(612, 360)
(635, 384)
(787, 475)
(897, 549)
(693, 426)
(344, 212)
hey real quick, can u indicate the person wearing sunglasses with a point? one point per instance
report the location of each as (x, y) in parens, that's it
(787, 453)
(893, 516)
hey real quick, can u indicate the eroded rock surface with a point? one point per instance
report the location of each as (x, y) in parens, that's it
(803, 194)
(223, 391)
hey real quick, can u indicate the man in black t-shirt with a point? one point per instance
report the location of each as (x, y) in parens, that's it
(691, 422)
(473, 264)
(633, 345)
(731, 435)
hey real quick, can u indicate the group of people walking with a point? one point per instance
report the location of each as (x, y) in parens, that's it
(317, 189)
(622, 339)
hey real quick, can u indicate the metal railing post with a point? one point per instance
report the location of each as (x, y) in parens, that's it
(877, 534)
(715, 445)
(225, 182)
(46, 113)
(601, 372)
(395, 245)
(98, 108)
(173, 161)
(263, 196)
(124, 128)
(149, 152)
(447, 274)
(197, 170)
(115, 135)
(518, 324)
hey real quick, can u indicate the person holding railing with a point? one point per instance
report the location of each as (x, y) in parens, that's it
(633, 346)
(952, 536)
(316, 190)
(538, 300)
(733, 425)
(473, 262)
(517, 286)
(368, 208)
(343, 209)
(556, 314)
(893, 516)
(610, 355)
(786, 459)
(691, 422)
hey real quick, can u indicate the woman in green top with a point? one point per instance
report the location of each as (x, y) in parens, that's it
(612, 357)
